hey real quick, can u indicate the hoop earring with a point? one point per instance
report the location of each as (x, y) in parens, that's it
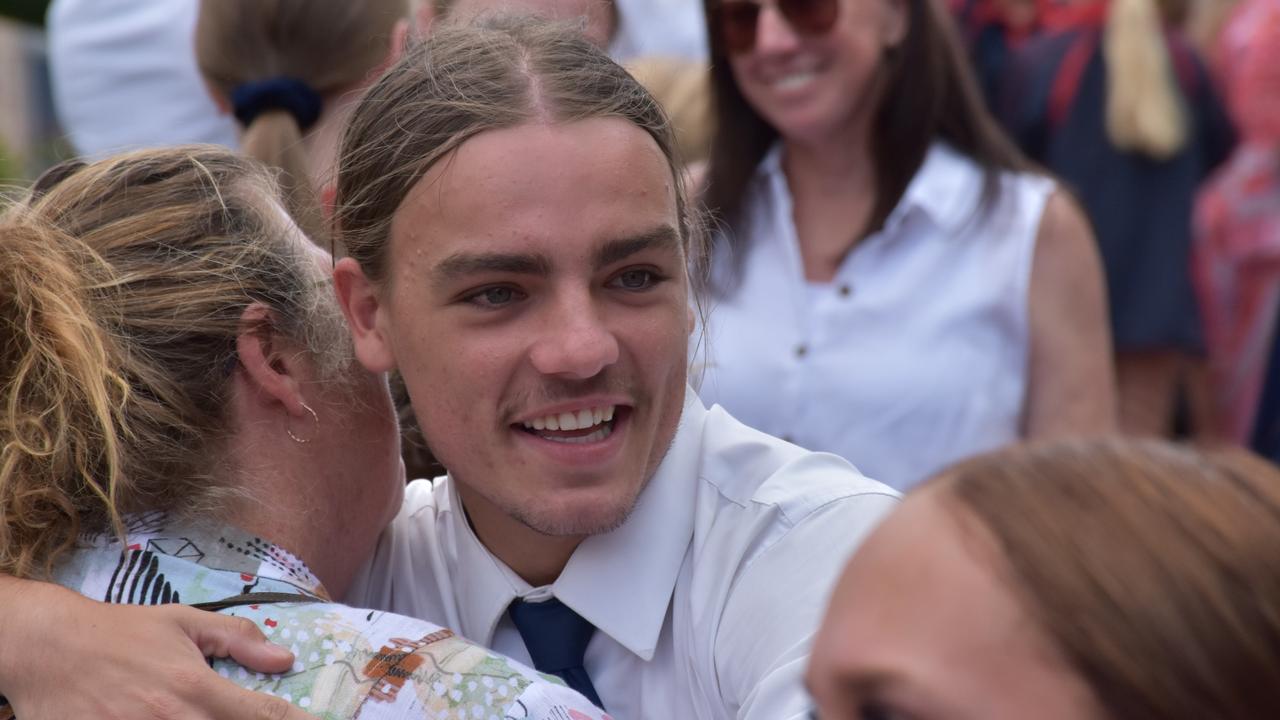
(316, 418)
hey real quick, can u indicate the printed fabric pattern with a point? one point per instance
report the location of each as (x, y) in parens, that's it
(350, 663)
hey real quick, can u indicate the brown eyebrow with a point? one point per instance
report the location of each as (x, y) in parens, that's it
(663, 237)
(463, 264)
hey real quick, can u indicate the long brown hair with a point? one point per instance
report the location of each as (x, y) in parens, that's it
(330, 45)
(930, 93)
(467, 79)
(1154, 568)
(122, 287)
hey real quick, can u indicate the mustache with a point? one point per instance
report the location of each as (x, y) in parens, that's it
(553, 391)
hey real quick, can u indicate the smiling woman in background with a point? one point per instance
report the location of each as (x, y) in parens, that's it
(894, 284)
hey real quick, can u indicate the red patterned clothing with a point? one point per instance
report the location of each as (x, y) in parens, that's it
(1237, 244)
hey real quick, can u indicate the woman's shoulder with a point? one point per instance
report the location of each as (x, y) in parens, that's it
(353, 661)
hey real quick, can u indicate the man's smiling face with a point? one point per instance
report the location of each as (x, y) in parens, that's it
(537, 305)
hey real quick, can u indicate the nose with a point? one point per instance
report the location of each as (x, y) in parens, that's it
(576, 343)
(773, 33)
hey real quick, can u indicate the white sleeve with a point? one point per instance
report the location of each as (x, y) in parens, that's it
(779, 599)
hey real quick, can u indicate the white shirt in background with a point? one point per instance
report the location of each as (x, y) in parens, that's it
(660, 28)
(915, 355)
(705, 600)
(124, 76)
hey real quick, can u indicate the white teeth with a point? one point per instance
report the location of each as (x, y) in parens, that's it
(794, 80)
(596, 436)
(580, 420)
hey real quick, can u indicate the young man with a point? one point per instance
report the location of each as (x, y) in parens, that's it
(519, 249)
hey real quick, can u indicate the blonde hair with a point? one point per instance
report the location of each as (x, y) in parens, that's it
(122, 288)
(330, 45)
(1145, 110)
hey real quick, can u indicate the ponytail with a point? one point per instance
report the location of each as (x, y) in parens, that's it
(1145, 111)
(274, 138)
(61, 424)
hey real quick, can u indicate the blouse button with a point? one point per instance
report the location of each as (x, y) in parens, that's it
(802, 350)
(845, 291)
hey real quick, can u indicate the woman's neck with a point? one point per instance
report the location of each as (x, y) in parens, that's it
(323, 141)
(833, 191)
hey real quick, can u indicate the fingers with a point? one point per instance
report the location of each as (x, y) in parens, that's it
(231, 702)
(237, 638)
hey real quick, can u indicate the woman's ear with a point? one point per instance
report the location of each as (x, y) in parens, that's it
(270, 363)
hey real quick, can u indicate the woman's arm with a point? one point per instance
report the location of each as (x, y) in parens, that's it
(1071, 386)
(65, 656)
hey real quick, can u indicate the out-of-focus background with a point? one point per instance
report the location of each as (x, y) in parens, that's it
(29, 137)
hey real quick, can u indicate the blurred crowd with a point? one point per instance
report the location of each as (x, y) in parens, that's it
(1017, 261)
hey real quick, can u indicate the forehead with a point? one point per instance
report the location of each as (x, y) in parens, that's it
(924, 602)
(558, 188)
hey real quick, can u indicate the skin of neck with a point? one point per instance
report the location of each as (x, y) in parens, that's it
(323, 139)
(291, 496)
(833, 186)
(536, 557)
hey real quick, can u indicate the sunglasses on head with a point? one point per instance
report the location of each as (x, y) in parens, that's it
(736, 21)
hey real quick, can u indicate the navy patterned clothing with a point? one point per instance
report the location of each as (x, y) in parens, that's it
(1140, 207)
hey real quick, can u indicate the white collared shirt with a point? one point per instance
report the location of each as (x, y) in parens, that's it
(705, 600)
(915, 355)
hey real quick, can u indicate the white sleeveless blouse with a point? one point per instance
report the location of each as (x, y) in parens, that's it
(916, 354)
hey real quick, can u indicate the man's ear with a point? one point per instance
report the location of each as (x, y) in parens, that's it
(365, 314)
(273, 366)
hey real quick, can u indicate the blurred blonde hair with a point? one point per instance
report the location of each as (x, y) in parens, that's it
(330, 45)
(1145, 110)
(122, 288)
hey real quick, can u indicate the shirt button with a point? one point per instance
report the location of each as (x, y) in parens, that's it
(802, 350)
(845, 291)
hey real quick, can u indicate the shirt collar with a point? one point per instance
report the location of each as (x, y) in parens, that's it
(621, 581)
(216, 546)
(945, 189)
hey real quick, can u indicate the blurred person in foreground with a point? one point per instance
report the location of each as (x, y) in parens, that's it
(894, 283)
(1065, 581)
(522, 250)
(184, 421)
(1121, 108)
(1237, 242)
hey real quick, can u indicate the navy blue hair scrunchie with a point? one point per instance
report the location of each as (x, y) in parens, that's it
(251, 99)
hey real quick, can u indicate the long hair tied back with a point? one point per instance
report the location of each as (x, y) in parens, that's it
(1145, 112)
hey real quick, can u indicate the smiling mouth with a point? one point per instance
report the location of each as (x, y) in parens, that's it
(575, 428)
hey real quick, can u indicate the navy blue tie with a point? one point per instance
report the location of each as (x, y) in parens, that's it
(556, 638)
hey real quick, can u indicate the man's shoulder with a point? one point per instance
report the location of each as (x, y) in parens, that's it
(758, 473)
